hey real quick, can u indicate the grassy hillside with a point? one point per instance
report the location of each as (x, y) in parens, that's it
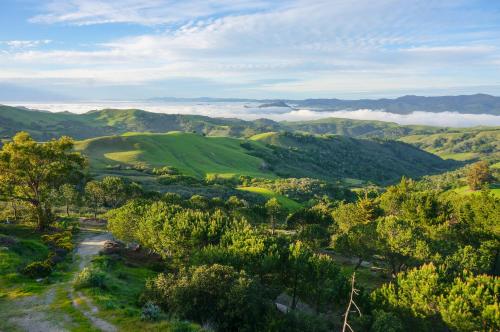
(338, 157)
(467, 144)
(286, 202)
(46, 125)
(264, 155)
(192, 154)
(358, 128)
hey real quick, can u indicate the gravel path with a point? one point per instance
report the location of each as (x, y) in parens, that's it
(88, 248)
(33, 313)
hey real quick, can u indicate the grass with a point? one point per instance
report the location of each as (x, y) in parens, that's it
(29, 248)
(119, 301)
(462, 145)
(465, 190)
(464, 156)
(286, 202)
(192, 154)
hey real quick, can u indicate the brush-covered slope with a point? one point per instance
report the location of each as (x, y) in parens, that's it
(464, 145)
(46, 125)
(265, 155)
(330, 157)
(358, 128)
(191, 154)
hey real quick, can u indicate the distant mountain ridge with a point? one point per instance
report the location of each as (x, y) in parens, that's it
(45, 125)
(466, 104)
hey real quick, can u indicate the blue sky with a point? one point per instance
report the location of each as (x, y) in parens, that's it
(131, 49)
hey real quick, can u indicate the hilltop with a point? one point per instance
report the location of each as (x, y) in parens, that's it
(108, 122)
(468, 144)
(264, 155)
(45, 125)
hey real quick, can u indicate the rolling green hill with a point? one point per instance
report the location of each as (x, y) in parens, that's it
(191, 154)
(327, 157)
(46, 125)
(468, 144)
(265, 155)
(453, 143)
(358, 128)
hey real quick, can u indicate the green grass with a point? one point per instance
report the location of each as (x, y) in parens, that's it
(29, 248)
(192, 154)
(463, 156)
(119, 301)
(465, 190)
(463, 145)
(286, 202)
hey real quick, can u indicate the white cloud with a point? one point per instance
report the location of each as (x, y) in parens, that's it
(25, 43)
(145, 12)
(249, 111)
(319, 48)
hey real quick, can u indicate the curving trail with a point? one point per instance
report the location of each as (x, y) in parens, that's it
(36, 313)
(88, 248)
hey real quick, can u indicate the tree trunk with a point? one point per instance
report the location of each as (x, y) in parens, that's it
(41, 216)
(14, 208)
(67, 210)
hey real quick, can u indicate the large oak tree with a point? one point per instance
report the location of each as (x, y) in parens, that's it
(31, 171)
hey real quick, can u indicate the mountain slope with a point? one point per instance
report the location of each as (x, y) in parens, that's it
(467, 144)
(192, 154)
(274, 154)
(343, 157)
(467, 104)
(46, 125)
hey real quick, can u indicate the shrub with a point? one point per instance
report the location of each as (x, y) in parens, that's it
(150, 311)
(217, 294)
(61, 240)
(90, 277)
(38, 269)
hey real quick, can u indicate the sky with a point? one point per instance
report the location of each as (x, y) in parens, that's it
(131, 49)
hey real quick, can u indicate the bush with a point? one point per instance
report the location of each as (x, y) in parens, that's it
(386, 322)
(38, 269)
(89, 278)
(150, 311)
(61, 240)
(217, 294)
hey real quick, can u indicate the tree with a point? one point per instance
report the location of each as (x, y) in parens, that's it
(31, 171)
(472, 304)
(325, 282)
(115, 190)
(400, 243)
(69, 195)
(479, 174)
(214, 294)
(273, 208)
(95, 195)
(413, 296)
(357, 241)
(123, 222)
(297, 261)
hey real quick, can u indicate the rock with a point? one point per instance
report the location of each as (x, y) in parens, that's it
(112, 247)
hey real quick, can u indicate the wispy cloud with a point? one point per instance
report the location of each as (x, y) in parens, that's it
(272, 48)
(145, 12)
(246, 111)
(17, 44)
